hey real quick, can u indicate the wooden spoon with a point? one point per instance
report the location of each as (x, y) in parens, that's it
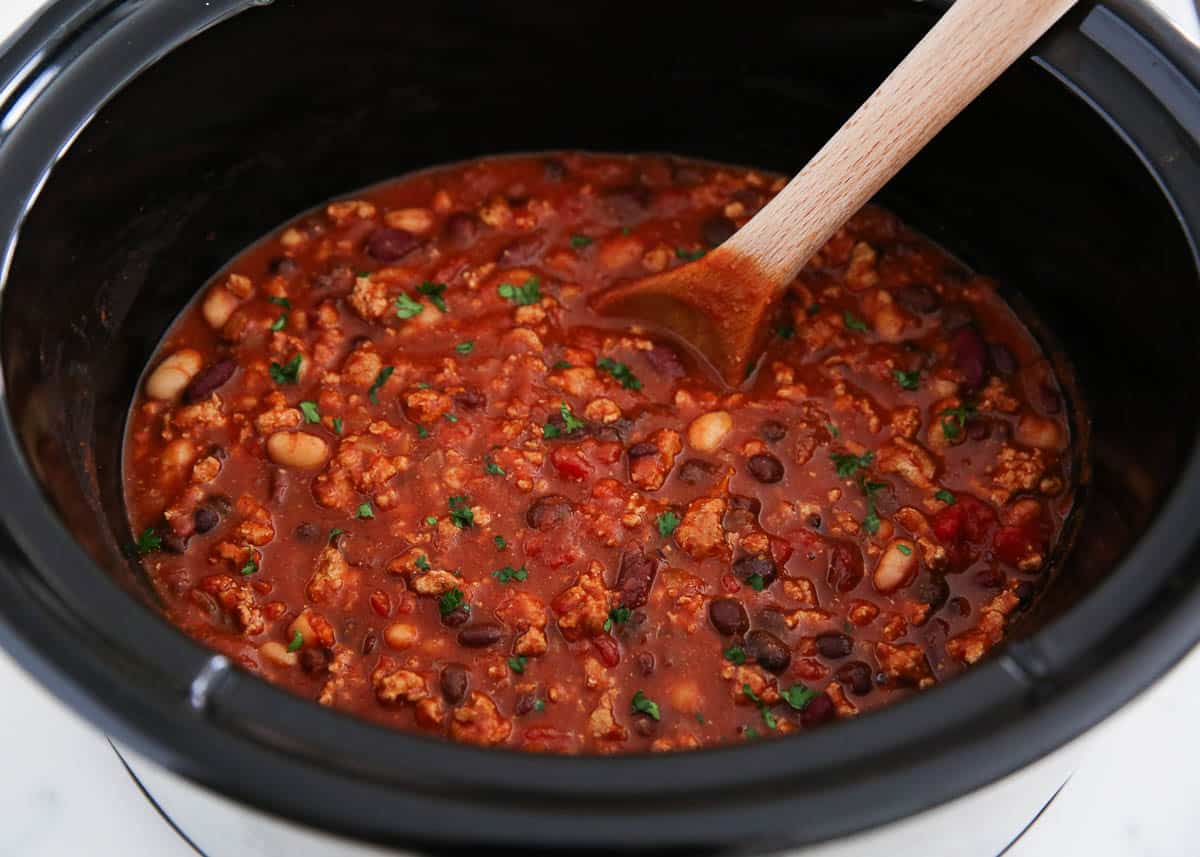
(723, 303)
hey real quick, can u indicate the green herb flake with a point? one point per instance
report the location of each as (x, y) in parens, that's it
(561, 364)
(365, 511)
(833, 430)
(529, 292)
(907, 380)
(434, 292)
(539, 704)
(460, 511)
(423, 385)
(954, 420)
(491, 468)
(689, 255)
(422, 563)
(617, 616)
(785, 330)
(667, 522)
(750, 732)
(871, 521)
(620, 372)
(946, 497)
(644, 705)
(848, 465)
(550, 431)
(406, 307)
(580, 241)
(500, 542)
(904, 549)
(148, 541)
(465, 347)
(750, 694)
(625, 230)
(767, 716)
(422, 431)
(380, 380)
(813, 309)
(279, 323)
(335, 532)
(337, 424)
(251, 566)
(700, 718)
(431, 520)
(451, 418)
(570, 423)
(288, 373)
(283, 302)
(735, 654)
(296, 643)
(798, 696)
(450, 601)
(516, 663)
(853, 322)
(756, 582)
(508, 574)
(310, 411)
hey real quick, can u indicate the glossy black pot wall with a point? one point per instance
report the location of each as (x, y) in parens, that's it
(1075, 180)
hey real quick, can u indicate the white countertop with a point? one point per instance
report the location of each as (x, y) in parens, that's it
(65, 792)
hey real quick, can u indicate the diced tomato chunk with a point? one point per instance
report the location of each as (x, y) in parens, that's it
(570, 463)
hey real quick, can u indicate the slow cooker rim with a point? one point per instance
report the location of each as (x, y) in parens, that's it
(31, 513)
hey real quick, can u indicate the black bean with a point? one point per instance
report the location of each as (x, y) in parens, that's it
(818, 711)
(772, 430)
(470, 400)
(643, 449)
(554, 169)
(455, 681)
(919, 299)
(208, 380)
(932, 591)
(636, 577)
(460, 228)
(390, 245)
(845, 567)
(696, 471)
(834, 645)
(456, 617)
(645, 662)
(717, 230)
(205, 518)
(307, 531)
(749, 566)
(765, 467)
(644, 724)
(1003, 359)
(728, 616)
(314, 661)
(524, 703)
(548, 511)
(772, 653)
(370, 641)
(856, 676)
(480, 635)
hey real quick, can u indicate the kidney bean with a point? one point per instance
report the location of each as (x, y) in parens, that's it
(834, 645)
(480, 635)
(765, 467)
(696, 471)
(554, 170)
(665, 362)
(608, 650)
(636, 576)
(818, 711)
(645, 663)
(772, 653)
(1003, 359)
(845, 567)
(208, 380)
(524, 703)
(643, 449)
(856, 676)
(548, 511)
(626, 204)
(389, 245)
(772, 430)
(205, 518)
(455, 681)
(970, 355)
(919, 299)
(717, 230)
(615, 432)
(470, 400)
(314, 661)
(644, 725)
(728, 616)
(456, 617)
(748, 566)
(460, 228)
(340, 279)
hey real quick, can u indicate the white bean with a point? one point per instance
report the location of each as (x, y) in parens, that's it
(415, 220)
(1038, 432)
(171, 377)
(897, 567)
(219, 305)
(707, 431)
(278, 654)
(297, 449)
(178, 454)
(401, 635)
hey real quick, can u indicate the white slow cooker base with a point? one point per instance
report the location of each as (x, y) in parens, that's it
(981, 824)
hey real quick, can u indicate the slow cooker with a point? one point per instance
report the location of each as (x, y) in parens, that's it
(144, 142)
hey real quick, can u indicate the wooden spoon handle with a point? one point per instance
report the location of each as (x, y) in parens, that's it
(964, 52)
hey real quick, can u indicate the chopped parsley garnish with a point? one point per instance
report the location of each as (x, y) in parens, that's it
(465, 347)
(450, 601)
(380, 380)
(570, 423)
(539, 704)
(335, 532)
(406, 307)
(148, 541)
(491, 467)
(509, 574)
(813, 309)
(561, 364)
(423, 385)
(907, 380)
(337, 424)
(853, 322)
(288, 373)
(700, 718)
(904, 549)
(500, 542)
(735, 654)
(434, 292)
(625, 230)
(767, 716)
(422, 563)
(251, 566)
(365, 511)
(617, 616)
(431, 520)
(689, 255)
(620, 372)
(311, 414)
(833, 430)
(283, 302)
(516, 663)
(296, 643)
(798, 696)
(422, 431)
(848, 465)
(550, 431)
(279, 323)
(784, 330)
(945, 496)
(756, 582)
(451, 418)
(644, 705)
(529, 292)
(750, 732)
(578, 241)
(871, 521)
(667, 522)
(954, 420)
(460, 511)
